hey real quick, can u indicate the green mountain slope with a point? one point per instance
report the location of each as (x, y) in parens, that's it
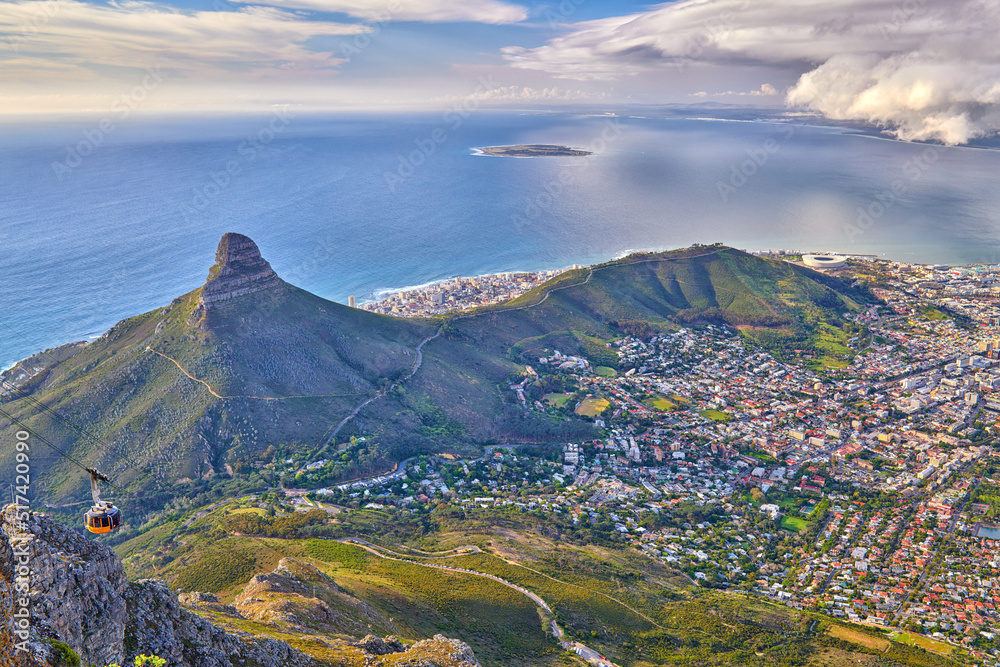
(771, 300)
(248, 370)
(424, 574)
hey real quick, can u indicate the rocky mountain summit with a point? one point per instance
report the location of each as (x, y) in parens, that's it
(239, 270)
(81, 600)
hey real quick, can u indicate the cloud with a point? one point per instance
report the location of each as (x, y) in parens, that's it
(436, 11)
(927, 69)
(44, 35)
(508, 94)
(920, 96)
(765, 90)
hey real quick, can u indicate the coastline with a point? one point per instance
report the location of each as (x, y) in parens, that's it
(531, 150)
(479, 152)
(380, 294)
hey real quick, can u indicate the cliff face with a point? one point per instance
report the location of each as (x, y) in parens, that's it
(81, 597)
(239, 269)
(18, 648)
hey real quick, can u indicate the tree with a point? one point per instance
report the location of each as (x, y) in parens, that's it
(144, 660)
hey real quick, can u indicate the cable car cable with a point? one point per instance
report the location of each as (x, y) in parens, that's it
(41, 406)
(58, 450)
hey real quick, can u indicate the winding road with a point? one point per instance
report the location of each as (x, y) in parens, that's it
(379, 394)
(585, 652)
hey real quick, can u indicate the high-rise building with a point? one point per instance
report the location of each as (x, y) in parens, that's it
(351, 302)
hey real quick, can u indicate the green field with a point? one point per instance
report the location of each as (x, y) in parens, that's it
(793, 523)
(933, 314)
(606, 372)
(557, 400)
(716, 415)
(925, 643)
(591, 407)
(660, 403)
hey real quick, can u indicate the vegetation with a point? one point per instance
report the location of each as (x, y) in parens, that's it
(64, 655)
(793, 523)
(619, 602)
(193, 405)
(591, 407)
(716, 415)
(286, 526)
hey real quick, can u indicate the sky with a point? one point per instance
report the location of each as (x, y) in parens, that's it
(927, 69)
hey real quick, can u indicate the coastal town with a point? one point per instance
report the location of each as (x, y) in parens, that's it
(457, 294)
(868, 490)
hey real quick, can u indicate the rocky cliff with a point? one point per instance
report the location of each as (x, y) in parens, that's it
(239, 269)
(80, 599)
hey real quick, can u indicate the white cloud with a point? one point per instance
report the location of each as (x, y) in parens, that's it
(478, 11)
(47, 34)
(508, 94)
(926, 68)
(920, 96)
(765, 90)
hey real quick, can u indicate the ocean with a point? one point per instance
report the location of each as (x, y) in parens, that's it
(103, 218)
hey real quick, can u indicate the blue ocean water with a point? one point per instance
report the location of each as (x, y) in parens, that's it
(99, 223)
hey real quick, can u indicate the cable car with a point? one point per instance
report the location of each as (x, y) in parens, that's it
(103, 517)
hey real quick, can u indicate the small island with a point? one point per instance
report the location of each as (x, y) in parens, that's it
(533, 150)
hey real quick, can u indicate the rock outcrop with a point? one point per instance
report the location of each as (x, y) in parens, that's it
(239, 270)
(299, 595)
(159, 624)
(80, 596)
(77, 587)
(81, 600)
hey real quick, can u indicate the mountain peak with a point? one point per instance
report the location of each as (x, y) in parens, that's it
(239, 269)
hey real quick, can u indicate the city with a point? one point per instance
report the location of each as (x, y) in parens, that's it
(865, 490)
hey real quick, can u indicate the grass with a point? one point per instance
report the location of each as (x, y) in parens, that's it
(557, 400)
(660, 403)
(792, 523)
(221, 566)
(633, 609)
(858, 637)
(933, 314)
(606, 372)
(498, 622)
(247, 510)
(591, 407)
(925, 643)
(716, 415)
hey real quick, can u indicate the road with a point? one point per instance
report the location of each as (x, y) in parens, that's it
(944, 538)
(400, 469)
(378, 395)
(585, 652)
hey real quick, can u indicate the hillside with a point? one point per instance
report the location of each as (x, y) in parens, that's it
(466, 572)
(774, 302)
(247, 371)
(84, 611)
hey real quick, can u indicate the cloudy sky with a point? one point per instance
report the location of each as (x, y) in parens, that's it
(929, 68)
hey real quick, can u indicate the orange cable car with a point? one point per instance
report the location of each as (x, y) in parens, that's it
(103, 517)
